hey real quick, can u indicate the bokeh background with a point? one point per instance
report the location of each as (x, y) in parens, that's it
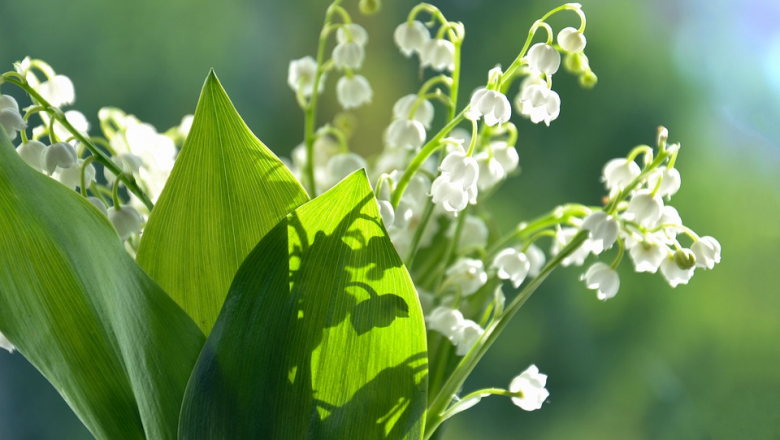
(697, 362)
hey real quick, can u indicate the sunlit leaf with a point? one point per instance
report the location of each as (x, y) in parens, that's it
(321, 336)
(75, 304)
(226, 191)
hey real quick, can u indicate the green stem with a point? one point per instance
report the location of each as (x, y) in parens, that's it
(467, 364)
(101, 156)
(423, 155)
(310, 111)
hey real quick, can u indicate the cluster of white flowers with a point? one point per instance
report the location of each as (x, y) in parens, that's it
(352, 90)
(638, 220)
(136, 147)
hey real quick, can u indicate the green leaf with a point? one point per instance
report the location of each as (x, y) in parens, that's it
(75, 304)
(226, 191)
(321, 336)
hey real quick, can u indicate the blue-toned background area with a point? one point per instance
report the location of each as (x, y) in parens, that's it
(697, 362)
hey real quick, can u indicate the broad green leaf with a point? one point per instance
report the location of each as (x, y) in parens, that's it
(226, 191)
(321, 336)
(75, 304)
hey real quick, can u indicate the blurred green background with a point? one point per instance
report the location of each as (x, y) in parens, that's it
(698, 362)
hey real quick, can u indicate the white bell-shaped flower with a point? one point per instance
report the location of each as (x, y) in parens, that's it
(619, 173)
(61, 154)
(674, 272)
(467, 273)
(512, 265)
(126, 221)
(352, 32)
(423, 113)
(461, 169)
(58, 91)
(544, 58)
(466, 336)
(669, 219)
(352, 92)
(491, 104)
(446, 321)
(439, 54)
(405, 133)
(530, 384)
(98, 204)
(707, 251)
(670, 181)
(538, 103)
(490, 171)
(645, 208)
(12, 121)
(302, 73)
(8, 102)
(71, 177)
(348, 55)
(603, 230)
(5, 344)
(386, 212)
(603, 278)
(450, 195)
(506, 155)
(536, 258)
(342, 165)
(647, 255)
(411, 37)
(571, 40)
(32, 153)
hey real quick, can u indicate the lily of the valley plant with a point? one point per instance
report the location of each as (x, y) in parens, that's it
(190, 284)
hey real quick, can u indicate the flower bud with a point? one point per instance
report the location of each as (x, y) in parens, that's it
(126, 221)
(61, 154)
(370, 7)
(32, 153)
(685, 259)
(588, 79)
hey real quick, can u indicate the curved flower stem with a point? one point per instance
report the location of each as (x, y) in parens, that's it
(97, 152)
(310, 110)
(84, 166)
(455, 382)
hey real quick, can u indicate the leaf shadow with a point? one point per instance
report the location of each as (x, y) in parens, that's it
(275, 347)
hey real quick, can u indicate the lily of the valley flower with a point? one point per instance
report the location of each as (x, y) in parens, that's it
(354, 91)
(512, 265)
(530, 385)
(491, 104)
(411, 37)
(544, 58)
(707, 251)
(604, 279)
(571, 40)
(439, 54)
(301, 75)
(423, 113)
(467, 273)
(126, 221)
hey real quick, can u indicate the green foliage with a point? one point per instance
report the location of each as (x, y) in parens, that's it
(321, 335)
(226, 191)
(84, 313)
